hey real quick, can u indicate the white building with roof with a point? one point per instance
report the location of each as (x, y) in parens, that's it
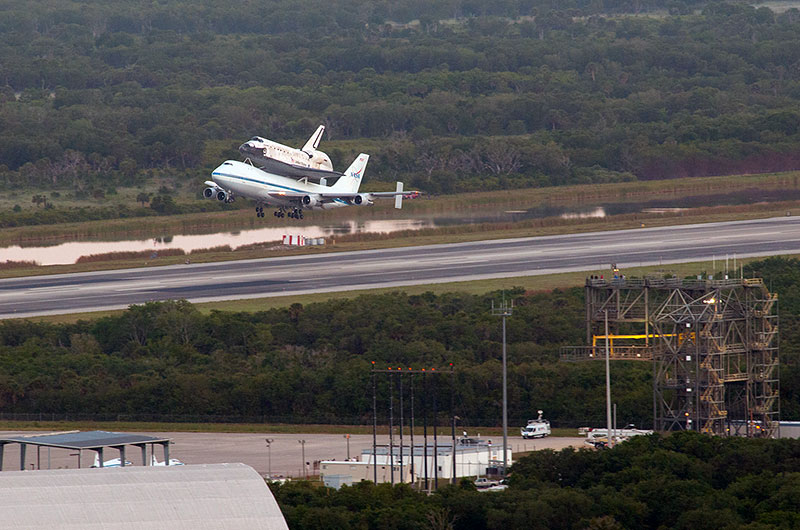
(473, 458)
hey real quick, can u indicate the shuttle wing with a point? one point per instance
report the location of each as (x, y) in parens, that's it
(283, 169)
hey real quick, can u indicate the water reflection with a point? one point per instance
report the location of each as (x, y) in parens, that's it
(68, 253)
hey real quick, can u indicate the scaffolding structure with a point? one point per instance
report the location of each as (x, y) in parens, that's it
(713, 345)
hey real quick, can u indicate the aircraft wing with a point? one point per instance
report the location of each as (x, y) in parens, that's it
(346, 195)
(389, 194)
(354, 198)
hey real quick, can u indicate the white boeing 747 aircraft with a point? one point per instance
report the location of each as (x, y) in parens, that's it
(292, 194)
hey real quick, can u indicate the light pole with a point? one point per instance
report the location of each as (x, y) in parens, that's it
(454, 441)
(347, 437)
(303, 445)
(504, 311)
(269, 456)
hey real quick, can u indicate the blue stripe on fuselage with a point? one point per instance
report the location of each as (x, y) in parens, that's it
(218, 173)
(258, 182)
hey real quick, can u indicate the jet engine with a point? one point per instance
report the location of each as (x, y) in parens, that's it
(309, 201)
(222, 196)
(362, 199)
(209, 192)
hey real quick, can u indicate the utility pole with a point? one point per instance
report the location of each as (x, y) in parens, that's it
(303, 445)
(374, 428)
(413, 477)
(400, 381)
(427, 392)
(269, 456)
(504, 311)
(425, 428)
(391, 430)
(608, 388)
(453, 414)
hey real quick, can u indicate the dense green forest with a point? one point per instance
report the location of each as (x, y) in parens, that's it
(449, 96)
(311, 363)
(684, 481)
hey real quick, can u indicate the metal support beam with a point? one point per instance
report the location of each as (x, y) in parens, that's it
(714, 348)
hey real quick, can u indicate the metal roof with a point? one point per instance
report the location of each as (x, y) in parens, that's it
(84, 440)
(197, 497)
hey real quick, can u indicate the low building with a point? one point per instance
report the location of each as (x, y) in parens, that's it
(473, 458)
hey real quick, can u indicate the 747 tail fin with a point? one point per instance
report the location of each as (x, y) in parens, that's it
(351, 180)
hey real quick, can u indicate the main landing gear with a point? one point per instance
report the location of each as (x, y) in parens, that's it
(296, 213)
(259, 211)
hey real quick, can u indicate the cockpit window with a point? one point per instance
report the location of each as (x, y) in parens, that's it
(227, 164)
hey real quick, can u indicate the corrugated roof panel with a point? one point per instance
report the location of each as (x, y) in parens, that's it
(84, 440)
(213, 497)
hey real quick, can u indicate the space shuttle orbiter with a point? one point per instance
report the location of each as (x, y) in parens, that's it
(278, 159)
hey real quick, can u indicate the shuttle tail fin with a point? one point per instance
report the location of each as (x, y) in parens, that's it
(313, 142)
(351, 180)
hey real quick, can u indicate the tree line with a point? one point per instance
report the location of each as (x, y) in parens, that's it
(449, 96)
(682, 481)
(312, 363)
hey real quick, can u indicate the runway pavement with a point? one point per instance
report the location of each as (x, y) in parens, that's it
(341, 271)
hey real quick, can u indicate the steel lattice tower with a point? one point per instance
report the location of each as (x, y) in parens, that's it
(713, 345)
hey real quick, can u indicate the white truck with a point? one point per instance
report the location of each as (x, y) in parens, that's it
(538, 428)
(483, 483)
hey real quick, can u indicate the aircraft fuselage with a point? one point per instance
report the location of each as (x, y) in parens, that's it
(250, 182)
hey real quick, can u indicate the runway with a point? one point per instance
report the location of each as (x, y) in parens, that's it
(342, 271)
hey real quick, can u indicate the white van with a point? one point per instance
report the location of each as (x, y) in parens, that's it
(538, 428)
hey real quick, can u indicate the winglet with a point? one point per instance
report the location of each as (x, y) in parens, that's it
(398, 200)
(313, 142)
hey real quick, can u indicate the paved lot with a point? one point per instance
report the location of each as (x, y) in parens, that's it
(251, 449)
